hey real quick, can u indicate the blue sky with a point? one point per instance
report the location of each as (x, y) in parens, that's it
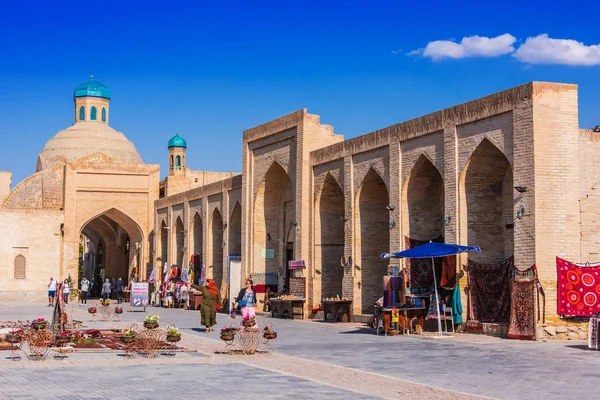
(209, 70)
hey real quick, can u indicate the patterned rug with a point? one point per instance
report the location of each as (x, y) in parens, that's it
(522, 314)
(578, 289)
(421, 273)
(489, 291)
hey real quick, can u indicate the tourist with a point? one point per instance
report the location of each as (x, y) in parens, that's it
(51, 291)
(106, 289)
(210, 304)
(246, 299)
(84, 285)
(119, 290)
(65, 291)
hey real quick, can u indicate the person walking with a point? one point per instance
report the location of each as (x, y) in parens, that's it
(210, 304)
(51, 292)
(106, 289)
(84, 285)
(65, 291)
(246, 299)
(119, 290)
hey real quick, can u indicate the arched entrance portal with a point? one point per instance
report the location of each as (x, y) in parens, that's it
(216, 249)
(487, 202)
(329, 240)
(111, 248)
(373, 233)
(273, 233)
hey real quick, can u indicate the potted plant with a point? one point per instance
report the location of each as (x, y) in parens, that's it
(92, 310)
(62, 338)
(227, 334)
(151, 322)
(39, 324)
(14, 336)
(128, 336)
(118, 310)
(104, 302)
(249, 321)
(173, 334)
(269, 334)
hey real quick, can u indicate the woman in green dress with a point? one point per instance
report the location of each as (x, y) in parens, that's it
(210, 303)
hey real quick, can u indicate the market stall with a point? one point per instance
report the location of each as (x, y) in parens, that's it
(338, 310)
(431, 250)
(290, 305)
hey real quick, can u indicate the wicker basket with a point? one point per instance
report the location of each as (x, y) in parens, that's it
(13, 338)
(127, 339)
(39, 326)
(270, 336)
(150, 325)
(249, 323)
(227, 338)
(173, 339)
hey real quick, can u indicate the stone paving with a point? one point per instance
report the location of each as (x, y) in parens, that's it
(313, 360)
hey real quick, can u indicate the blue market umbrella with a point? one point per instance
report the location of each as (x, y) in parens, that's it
(432, 250)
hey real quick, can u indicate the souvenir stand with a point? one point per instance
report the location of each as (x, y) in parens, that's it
(433, 250)
(291, 305)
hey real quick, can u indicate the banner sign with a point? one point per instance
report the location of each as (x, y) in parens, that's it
(296, 264)
(139, 294)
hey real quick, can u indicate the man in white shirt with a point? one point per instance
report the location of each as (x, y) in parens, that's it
(51, 292)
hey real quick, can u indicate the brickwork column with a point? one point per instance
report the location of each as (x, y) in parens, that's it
(348, 280)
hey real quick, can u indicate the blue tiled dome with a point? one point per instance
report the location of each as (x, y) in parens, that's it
(92, 88)
(177, 141)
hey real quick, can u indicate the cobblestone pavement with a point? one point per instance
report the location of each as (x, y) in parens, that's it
(315, 360)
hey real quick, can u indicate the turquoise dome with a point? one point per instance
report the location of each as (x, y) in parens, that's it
(177, 141)
(92, 88)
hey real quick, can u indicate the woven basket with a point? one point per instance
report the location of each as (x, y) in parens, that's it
(150, 325)
(127, 339)
(270, 336)
(227, 338)
(173, 339)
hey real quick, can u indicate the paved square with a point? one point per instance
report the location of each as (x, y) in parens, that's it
(311, 360)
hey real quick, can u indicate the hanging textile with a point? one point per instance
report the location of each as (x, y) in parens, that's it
(392, 291)
(457, 308)
(578, 289)
(419, 269)
(448, 279)
(489, 290)
(522, 314)
(152, 278)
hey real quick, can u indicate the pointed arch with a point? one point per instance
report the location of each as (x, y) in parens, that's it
(487, 202)
(423, 201)
(163, 237)
(235, 229)
(372, 232)
(178, 238)
(216, 247)
(103, 114)
(329, 239)
(273, 217)
(93, 112)
(82, 113)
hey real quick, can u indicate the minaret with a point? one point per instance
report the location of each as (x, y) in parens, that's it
(177, 149)
(91, 102)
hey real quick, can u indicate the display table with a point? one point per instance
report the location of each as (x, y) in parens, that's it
(287, 308)
(406, 315)
(196, 299)
(338, 308)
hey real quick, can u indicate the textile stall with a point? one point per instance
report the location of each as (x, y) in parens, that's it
(433, 250)
(490, 290)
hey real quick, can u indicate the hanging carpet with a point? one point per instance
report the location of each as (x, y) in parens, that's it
(489, 290)
(420, 271)
(522, 314)
(578, 289)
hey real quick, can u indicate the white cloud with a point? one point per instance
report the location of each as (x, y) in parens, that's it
(545, 50)
(471, 46)
(415, 52)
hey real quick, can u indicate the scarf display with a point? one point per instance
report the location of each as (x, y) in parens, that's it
(448, 279)
(578, 288)
(420, 274)
(522, 313)
(490, 290)
(457, 308)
